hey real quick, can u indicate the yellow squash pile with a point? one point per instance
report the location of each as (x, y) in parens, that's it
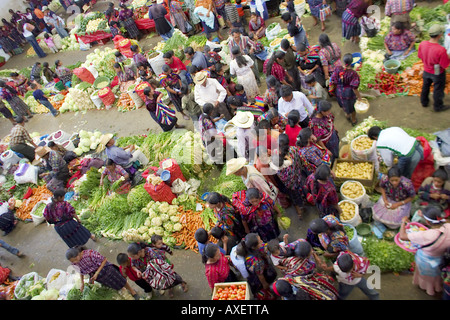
(357, 170)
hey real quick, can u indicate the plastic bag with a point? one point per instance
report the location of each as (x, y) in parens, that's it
(56, 279)
(284, 222)
(272, 33)
(443, 141)
(447, 35)
(26, 173)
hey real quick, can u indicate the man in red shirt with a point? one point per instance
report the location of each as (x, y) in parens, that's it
(435, 60)
(176, 65)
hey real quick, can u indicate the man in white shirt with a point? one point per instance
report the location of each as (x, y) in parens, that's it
(395, 141)
(208, 90)
(295, 100)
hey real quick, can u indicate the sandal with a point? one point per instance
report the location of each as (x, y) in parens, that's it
(185, 287)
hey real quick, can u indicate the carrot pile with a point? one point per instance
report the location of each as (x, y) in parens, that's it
(413, 78)
(8, 287)
(56, 104)
(191, 221)
(125, 102)
(39, 193)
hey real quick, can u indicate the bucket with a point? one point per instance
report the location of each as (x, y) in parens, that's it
(96, 100)
(165, 176)
(101, 80)
(59, 86)
(9, 158)
(391, 66)
(157, 63)
(138, 102)
(354, 245)
(362, 106)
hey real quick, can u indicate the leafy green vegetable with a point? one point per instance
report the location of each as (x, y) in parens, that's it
(387, 255)
(74, 294)
(138, 198)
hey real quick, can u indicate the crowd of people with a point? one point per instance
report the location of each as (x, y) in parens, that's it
(284, 143)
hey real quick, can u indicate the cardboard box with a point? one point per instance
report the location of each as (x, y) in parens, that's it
(227, 284)
(365, 182)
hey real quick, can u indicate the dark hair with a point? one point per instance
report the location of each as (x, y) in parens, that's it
(441, 174)
(264, 124)
(184, 90)
(285, 44)
(302, 47)
(318, 225)
(324, 40)
(168, 54)
(117, 53)
(217, 232)
(209, 251)
(134, 248)
(51, 144)
(207, 108)
(323, 172)
(348, 59)
(323, 106)
(273, 82)
(215, 198)
(13, 74)
(303, 137)
(286, 16)
(273, 245)
(394, 172)
(134, 48)
(46, 35)
(57, 62)
(240, 60)
(45, 64)
(19, 119)
(165, 68)
(276, 55)
(283, 144)
(399, 25)
(272, 113)
(147, 91)
(261, 150)
(155, 238)
(122, 258)
(293, 118)
(433, 212)
(252, 193)
(218, 66)
(310, 78)
(234, 101)
(302, 249)
(345, 262)
(201, 235)
(116, 65)
(33, 85)
(239, 87)
(235, 30)
(248, 244)
(374, 132)
(142, 73)
(192, 69)
(189, 50)
(109, 162)
(74, 252)
(285, 90)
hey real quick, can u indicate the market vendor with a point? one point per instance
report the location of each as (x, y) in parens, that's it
(157, 12)
(57, 169)
(20, 82)
(257, 26)
(48, 73)
(395, 141)
(6, 112)
(176, 65)
(64, 74)
(17, 105)
(67, 155)
(138, 57)
(20, 140)
(125, 75)
(116, 173)
(209, 90)
(126, 19)
(8, 219)
(395, 203)
(399, 43)
(331, 235)
(125, 157)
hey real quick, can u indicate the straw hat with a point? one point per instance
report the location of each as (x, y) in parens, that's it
(243, 119)
(436, 29)
(42, 151)
(104, 141)
(200, 77)
(235, 164)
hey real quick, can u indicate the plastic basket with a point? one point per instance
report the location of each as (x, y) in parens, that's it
(391, 66)
(407, 245)
(362, 106)
(100, 80)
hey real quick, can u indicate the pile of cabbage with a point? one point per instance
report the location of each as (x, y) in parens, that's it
(103, 61)
(70, 43)
(77, 100)
(88, 141)
(162, 220)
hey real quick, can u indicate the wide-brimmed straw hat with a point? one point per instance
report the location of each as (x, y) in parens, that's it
(42, 151)
(200, 77)
(243, 119)
(235, 164)
(104, 141)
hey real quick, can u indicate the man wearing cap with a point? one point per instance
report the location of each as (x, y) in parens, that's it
(20, 140)
(57, 169)
(209, 90)
(295, 100)
(435, 60)
(125, 157)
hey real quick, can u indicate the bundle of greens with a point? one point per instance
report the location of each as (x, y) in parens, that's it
(138, 198)
(91, 184)
(387, 255)
(227, 185)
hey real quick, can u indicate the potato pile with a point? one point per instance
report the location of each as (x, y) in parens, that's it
(348, 210)
(357, 170)
(352, 190)
(362, 143)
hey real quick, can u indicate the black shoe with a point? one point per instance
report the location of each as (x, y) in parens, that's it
(443, 108)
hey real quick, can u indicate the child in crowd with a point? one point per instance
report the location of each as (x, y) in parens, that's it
(127, 270)
(293, 127)
(240, 93)
(50, 43)
(212, 43)
(303, 262)
(350, 269)
(159, 246)
(202, 237)
(315, 92)
(241, 13)
(212, 57)
(119, 57)
(224, 241)
(115, 28)
(189, 105)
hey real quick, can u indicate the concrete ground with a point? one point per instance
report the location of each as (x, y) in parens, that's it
(44, 249)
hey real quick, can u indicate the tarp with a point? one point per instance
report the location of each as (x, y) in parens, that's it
(96, 36)
(144, 24)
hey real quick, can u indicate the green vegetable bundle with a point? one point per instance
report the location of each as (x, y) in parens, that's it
(92, 182)
(227, 185)
(138, 198)
(387, 255)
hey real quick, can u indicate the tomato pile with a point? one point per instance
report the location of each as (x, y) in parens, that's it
(232, 292)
